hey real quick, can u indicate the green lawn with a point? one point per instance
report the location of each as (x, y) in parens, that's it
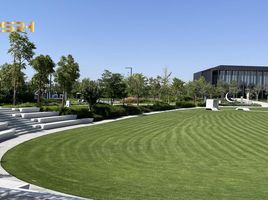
(194, 154)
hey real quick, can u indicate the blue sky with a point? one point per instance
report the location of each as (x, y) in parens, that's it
(148, 35)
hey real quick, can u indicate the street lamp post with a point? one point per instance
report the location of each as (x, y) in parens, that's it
(130, 70)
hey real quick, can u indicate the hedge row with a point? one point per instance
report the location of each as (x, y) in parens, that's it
(106, 111)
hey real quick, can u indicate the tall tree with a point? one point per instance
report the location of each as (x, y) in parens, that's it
(192, 89)
(177, 88)
(256, 90)
(233, 88)
(5, 80)
(137, 85)
(201, 85)
(44, 66)
(91, 91)
(221, 88)
(113, 85)
(66, 75)
(165, 85)
(154, 85)
(22, 52)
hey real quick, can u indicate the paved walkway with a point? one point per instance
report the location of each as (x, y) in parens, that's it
(9, 144)
(22, 194)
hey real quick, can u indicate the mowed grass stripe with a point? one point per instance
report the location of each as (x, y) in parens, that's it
(194, 154)
(242, 142)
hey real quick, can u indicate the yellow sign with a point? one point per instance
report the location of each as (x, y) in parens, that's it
(8, 27)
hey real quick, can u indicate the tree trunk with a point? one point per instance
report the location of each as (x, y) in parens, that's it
(14, 95)
(39, 98)
(63, 99)
(138, 101)
(14, 89)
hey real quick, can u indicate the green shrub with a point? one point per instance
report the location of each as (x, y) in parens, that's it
(50, 108)
(102, 109)
(97, 117)
(201, 104)
(159, 106)
(146, 109)
(117, 111)
(185, 104)
(133, 110)
(20, 105)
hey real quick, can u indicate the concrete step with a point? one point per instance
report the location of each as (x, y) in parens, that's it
(9, 133)
(4, 183)
(27, 109)
(38, 114)
(54, 118)
(63, 123)
(3, 125)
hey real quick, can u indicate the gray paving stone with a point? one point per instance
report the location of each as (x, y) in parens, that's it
(17, 194)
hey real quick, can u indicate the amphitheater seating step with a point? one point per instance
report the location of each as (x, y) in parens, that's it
(26, 109)
(3, 125)
(14, 184)
(9, 133)
(21, 125)
(29, 109)
(54, 118)
(16, 115)
(38, 114)
(59, 124)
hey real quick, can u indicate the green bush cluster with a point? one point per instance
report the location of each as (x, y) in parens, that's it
(185, 104)
(106, 111)
(160, 106)
(81, 112)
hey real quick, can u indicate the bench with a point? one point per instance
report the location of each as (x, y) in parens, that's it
(63, 123)
(3, 125)
(16, 115)
(7, 134)
(4, 183)
(54, 118)
(38, 114)
(29, 109)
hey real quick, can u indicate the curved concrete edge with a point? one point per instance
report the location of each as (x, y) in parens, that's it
(11, 143)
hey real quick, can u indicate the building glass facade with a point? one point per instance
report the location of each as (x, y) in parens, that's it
(245, 76)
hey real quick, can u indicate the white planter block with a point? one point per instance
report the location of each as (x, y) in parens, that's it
(212, 104)
(29, 109)
(38, 114)
(7, 134)
(3, 125)
(15, 109)
(54, 118)
(63, 123)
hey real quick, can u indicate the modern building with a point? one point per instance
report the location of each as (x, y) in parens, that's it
(245, 76)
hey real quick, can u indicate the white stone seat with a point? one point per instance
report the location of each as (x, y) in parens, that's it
(63, 123)
(29, 109)
(3, 125)
(54, 118)
(4, 183)
(9, 133)
(242, 108)
(16, 115)
(38, 114)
